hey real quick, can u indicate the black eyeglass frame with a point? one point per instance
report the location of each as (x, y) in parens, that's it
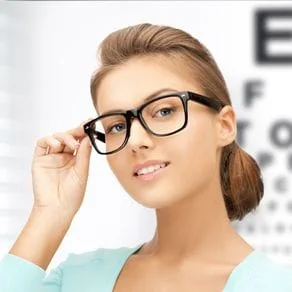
(129, 115)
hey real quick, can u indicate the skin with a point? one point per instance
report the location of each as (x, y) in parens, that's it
(193, 230)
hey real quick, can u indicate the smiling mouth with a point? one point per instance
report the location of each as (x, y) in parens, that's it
(153, 170)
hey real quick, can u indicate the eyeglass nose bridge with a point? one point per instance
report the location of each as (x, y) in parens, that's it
(135, 113)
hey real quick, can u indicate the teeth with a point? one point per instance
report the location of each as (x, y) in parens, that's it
(150, 169)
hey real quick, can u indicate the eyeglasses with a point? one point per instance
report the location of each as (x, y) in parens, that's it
(162, 116)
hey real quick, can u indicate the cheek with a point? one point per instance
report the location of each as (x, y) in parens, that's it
(197, 148)
(120, 167)
(115, 164)
(199, 137)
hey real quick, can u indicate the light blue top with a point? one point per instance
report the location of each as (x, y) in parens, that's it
(97, 271)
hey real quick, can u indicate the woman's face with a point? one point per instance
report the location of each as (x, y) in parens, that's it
(192, 154)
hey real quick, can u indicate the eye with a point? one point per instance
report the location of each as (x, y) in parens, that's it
(117, 128)
(164, 112)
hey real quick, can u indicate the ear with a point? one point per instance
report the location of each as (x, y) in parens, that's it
(226, 130)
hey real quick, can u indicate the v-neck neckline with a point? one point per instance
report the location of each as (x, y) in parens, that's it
(232, 278)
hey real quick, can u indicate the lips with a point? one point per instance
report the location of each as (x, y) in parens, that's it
(147, 164)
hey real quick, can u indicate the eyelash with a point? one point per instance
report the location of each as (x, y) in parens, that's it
(108, 130)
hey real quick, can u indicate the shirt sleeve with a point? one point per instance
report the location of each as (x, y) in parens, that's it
(20, 275)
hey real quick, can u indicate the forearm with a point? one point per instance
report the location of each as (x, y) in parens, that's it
(41, 236)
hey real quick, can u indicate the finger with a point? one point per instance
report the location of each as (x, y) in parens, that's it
(67, 139)
(47, 145)
(78, 132)
(56, 143)
(83, 158)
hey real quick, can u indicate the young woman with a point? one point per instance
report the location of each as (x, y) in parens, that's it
(167, 127)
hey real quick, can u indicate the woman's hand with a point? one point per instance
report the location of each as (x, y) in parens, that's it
(60, 171)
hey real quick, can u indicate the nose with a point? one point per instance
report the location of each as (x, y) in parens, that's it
(139, 138)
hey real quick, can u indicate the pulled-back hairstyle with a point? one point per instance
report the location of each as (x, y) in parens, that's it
(241, 180)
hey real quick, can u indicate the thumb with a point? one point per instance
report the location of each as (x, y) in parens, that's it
(83, 156)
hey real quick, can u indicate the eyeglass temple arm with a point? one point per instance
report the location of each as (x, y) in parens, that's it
(215, 104)
(100, 136)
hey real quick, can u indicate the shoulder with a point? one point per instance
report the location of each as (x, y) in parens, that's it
(97, 256)
(266, 275)
(96, 268)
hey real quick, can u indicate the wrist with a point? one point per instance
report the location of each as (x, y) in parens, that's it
(53, 215)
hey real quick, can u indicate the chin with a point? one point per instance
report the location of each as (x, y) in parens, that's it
(155, 202)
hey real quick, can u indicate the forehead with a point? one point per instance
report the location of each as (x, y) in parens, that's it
(126, 86)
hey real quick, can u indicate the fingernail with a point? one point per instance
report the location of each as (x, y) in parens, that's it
(75, 145)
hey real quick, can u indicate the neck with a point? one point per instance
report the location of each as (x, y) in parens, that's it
(196, 227)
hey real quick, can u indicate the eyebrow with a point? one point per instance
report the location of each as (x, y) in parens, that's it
(148, 98)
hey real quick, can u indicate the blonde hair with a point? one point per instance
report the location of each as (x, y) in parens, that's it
(240, 175)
